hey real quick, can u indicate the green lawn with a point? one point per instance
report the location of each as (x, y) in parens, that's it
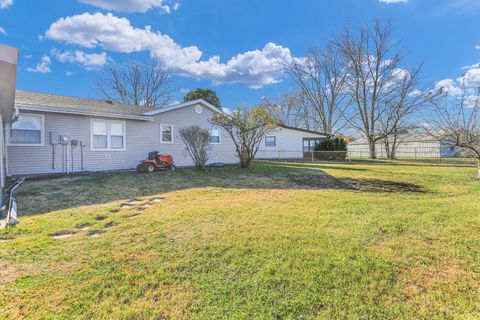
(278, 241)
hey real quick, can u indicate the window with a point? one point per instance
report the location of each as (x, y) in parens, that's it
(214, 136)
(270, 141)
(108, 135)
(166, 133)
(310, 144)
(27, 130)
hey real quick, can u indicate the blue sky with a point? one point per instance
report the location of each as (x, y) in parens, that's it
(232, 46)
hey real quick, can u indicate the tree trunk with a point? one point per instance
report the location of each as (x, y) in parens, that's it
(478, 167)
(371, 148)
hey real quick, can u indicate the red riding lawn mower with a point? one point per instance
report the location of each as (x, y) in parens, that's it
(156, 162)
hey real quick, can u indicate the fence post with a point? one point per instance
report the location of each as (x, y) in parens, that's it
(312, 154)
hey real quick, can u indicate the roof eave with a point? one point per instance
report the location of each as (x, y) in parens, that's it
(29, 107)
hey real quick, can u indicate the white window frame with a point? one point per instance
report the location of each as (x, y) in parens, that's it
(219, 135)
(42, 132)
(172, 131)
(109, 136)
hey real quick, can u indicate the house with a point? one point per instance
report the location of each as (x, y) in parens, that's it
(413, 145)
(8, 71)
(60, 134)
(289, 143)
(55, 134)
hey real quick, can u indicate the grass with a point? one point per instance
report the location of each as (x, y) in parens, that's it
(278, 241)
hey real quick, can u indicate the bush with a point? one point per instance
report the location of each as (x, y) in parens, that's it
(197, 144)
(336, 147)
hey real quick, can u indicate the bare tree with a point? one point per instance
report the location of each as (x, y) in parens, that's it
(381, 91)
(397, 136)
(396, 120)
(142, 84)
(456, 119)
(321, 77)
(197, 144)
(247, 128)
(288, 109)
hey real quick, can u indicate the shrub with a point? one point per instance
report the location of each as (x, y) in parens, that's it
(197, 144)
(336, 147)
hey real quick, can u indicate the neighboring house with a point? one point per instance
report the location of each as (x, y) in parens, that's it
(414, 145)
(8, 70)
(105, 135)
(289, 143)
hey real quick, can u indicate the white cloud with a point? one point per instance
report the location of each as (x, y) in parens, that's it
(134, 5)
(467, 83)
(5, 3)
(477, 47)
(90, 61)
(69, 73)
(2, 31)
(448, 86)
(43, 66)
(255, 68)
(394, 1)
(473, 66)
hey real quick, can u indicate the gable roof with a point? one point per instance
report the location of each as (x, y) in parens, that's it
(183, 105)
(304, 130)
(35, 101)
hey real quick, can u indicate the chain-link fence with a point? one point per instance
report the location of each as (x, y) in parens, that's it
(420, 154)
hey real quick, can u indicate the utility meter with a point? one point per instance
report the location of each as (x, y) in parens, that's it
(64, 139)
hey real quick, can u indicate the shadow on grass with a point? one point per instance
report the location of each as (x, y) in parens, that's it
(42, 195)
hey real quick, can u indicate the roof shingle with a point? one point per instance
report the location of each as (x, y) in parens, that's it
(73, 103)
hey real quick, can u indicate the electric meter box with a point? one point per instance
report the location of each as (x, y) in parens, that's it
(64, 140)
(74, 142)
(54, 137)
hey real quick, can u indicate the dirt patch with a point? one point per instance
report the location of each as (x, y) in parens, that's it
(125, 206)
(323, 181)
(134, 202)
(367, 185)
(376, 185)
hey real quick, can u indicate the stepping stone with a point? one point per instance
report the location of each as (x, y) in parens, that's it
(5, 240)
(62, 235)
(146, 205)
(134, 202)
(95, 234)
(84, 226)
(131, 216)
(125, 206)
(111, 224)
(158, 199)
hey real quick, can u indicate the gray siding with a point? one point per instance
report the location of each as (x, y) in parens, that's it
(141, 138)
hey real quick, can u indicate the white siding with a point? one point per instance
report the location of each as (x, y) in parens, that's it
(141, 138)
(289, 144)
